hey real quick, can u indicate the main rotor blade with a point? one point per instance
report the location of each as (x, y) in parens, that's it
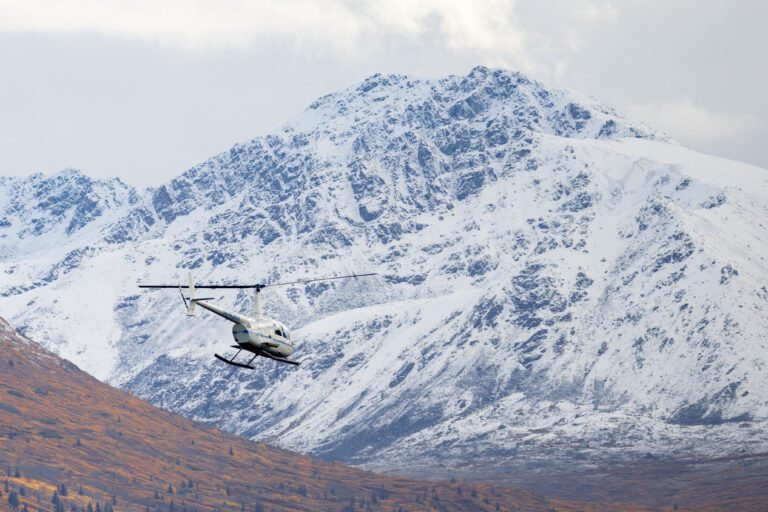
(210, 286)
(259, 286)
(304, 281)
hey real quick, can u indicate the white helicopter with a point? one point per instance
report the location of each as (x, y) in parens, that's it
(258, 335)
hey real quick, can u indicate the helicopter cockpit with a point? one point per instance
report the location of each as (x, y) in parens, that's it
(281, 331)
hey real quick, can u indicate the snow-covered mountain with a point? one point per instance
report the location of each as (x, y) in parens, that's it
(555, 279)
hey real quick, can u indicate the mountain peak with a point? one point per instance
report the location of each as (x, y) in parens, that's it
(379, 80)
(489, 95)
(57, 206)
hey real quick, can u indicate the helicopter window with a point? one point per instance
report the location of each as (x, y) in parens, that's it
(278, 332)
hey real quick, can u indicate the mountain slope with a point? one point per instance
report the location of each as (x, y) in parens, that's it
(62, 427)
(556, 281)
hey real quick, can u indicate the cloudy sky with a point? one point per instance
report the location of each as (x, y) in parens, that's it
(144, 89)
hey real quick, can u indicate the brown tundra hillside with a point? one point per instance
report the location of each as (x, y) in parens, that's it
(69, 443)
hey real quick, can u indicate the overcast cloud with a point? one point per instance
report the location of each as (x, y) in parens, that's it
(145, 89)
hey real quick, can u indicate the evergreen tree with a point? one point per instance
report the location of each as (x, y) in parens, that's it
(80, 490)
(6, 483)
(13, 500)
(55, 497)
(63, 490)
(170, 489)
(90, 507)
(17, 474)
(98, 507)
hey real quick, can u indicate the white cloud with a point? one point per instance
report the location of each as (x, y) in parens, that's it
(602, 12)
(688, 122)
(492, 32)
(195, 25)
(488, 26)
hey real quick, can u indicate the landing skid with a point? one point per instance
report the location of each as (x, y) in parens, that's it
(234, 363)
(248, 364)
(280, 359)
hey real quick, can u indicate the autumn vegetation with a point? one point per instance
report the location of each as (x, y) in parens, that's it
(69, 443)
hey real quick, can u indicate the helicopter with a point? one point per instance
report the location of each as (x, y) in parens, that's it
(258, 335)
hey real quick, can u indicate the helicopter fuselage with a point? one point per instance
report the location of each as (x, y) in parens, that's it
(256, 335)
(263, 335)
